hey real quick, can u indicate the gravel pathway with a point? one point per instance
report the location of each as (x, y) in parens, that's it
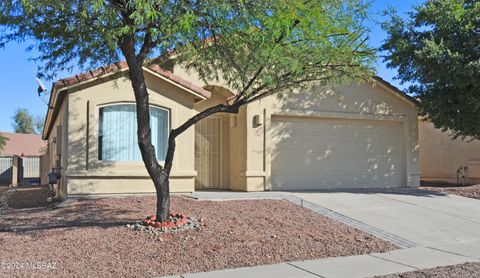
(88, 238)
(467, 270)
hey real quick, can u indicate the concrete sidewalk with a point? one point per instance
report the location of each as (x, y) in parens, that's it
(397, 261)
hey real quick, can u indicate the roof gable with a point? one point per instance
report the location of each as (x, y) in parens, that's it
(61, 86)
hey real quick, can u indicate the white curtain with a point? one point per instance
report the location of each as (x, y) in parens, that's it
(118, 132)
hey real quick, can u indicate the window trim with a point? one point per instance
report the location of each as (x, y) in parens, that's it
(99, 133)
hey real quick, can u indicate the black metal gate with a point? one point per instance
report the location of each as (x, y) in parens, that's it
(28, 170)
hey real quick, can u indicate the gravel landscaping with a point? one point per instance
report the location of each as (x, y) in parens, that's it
(28, 196)
(469, 191)
(467, 270)
(89, 238)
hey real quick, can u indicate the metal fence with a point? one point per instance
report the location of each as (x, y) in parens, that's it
(28, 171)
(6, 163)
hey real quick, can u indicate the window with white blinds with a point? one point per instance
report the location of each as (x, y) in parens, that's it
(118, 132)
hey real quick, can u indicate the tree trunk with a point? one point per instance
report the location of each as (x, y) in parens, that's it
(158, 175)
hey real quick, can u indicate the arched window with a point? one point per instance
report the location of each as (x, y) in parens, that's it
(118, 132)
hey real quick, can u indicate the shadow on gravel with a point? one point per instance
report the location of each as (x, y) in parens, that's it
(70, 214)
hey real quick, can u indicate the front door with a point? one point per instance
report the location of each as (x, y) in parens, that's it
(209, 153)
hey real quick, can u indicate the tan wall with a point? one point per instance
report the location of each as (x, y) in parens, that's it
(45, 168)
(57, 148)
(347, 102)
(87, 175)
(440, 156)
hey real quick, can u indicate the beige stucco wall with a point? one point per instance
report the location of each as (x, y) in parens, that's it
(57, 148)
(247, 145)
(87, 175)
(250, 145)
(441, 157)
(360, 102)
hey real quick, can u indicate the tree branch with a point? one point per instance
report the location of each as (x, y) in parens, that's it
(234, 108)
(147, 46)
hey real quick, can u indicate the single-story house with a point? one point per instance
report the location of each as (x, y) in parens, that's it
(353, 136)
(447, 160)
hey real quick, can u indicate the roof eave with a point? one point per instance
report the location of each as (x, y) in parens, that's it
(53, 104)
(398, 92)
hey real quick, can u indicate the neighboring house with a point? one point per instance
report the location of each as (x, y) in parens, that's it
(446, 160)
(357, 136)
(23, 144)
(25, 167)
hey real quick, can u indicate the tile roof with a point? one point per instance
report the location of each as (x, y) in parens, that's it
(86, 76)
(23, 144)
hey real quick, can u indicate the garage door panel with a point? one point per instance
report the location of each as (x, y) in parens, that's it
(324, 145)
(315, 154)
(314, 128)
(286, 160)
(294, 182)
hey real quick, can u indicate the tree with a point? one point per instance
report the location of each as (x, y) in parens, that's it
(257, 48)
(24, 122)
(39, 122)
(3, 142)
(436, 50)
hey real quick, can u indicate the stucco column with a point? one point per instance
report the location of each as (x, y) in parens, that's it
(15, 170)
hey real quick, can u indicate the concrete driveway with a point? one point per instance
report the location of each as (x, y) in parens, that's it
(423, 217)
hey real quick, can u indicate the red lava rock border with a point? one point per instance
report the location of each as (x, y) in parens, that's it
(151, 221)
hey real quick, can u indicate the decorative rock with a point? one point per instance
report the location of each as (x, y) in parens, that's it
(190, 223)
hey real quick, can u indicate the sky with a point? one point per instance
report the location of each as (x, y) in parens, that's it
(18, 87)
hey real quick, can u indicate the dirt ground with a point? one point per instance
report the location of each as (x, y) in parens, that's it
(88, 238)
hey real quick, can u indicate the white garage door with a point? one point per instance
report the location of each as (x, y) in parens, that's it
(333, 153)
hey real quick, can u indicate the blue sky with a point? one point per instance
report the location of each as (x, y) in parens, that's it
(19, 89)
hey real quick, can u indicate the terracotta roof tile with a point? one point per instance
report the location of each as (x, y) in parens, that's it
(69, 81)
(23, 144)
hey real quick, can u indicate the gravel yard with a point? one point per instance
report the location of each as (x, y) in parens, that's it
(88, 238)
(469, 191)
(467, 270)
(28, 196)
